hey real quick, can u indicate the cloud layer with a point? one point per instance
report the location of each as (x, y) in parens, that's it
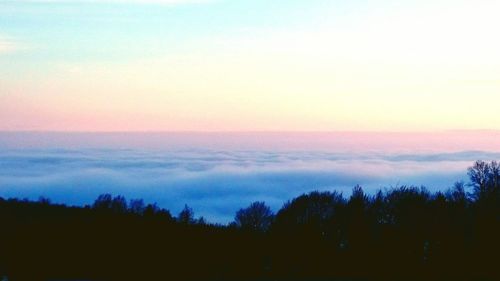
(217, 182)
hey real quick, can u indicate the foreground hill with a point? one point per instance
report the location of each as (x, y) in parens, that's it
(402, 233)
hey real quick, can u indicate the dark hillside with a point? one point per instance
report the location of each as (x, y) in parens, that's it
(405, 233)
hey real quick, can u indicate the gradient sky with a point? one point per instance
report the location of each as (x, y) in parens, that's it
(233, 65)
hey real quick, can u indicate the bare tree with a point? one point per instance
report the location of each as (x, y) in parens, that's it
(258, 217)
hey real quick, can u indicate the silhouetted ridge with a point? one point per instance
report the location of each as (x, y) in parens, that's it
(403, 233)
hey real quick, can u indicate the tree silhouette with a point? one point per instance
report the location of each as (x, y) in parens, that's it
(186, 216)
(136, 206)
(313, 208)
(119, 204)
(479, 175)
(257, 217)
(103, 202)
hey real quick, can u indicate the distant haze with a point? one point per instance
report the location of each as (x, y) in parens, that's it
(441, 141)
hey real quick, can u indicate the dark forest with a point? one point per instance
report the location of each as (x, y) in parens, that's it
(400, 233)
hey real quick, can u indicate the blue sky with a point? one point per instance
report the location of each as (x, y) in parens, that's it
(120, 30)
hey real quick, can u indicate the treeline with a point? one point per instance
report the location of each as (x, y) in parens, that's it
(403, 233)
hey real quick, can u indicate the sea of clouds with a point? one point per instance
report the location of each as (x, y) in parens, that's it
(216, 183)
(218, 173)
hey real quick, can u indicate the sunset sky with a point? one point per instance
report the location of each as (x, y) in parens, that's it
(259, 65)
(219, 103)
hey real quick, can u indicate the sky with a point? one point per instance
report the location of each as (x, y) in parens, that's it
(236, 65)
(218, 103)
